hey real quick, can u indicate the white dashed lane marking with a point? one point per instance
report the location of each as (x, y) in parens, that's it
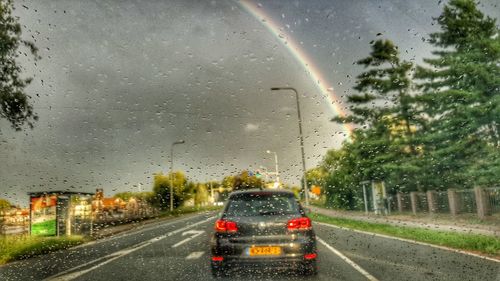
(71, 274)
(194, 255)
(193, 233)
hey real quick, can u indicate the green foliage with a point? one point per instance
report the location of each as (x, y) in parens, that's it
(341, 181)
(15, 104)
(145, 195)
(295, 189)
(200, 193)
(435, 129)
(383, 89)
(462, 24)
(225, 187)
(246, 181)
(19, 247)
(486, 167)
(4, 204)
(161, 189)
(461, 98)
(383, 148)
(316, 176)
(228, 182)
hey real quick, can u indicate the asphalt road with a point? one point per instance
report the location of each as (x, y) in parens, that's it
(178, 250)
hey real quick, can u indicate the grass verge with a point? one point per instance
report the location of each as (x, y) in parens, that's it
(472, 242)
(17, 247)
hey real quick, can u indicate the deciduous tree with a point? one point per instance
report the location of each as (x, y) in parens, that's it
(15, 104)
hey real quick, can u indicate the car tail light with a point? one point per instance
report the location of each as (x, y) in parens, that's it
(217, 258)
(226, 226)
(310, 256)
(299, 223)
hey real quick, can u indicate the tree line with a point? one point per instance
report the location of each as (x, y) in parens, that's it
(423, 127)
(185, 189)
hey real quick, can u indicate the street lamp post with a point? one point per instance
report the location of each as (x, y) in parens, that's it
(171, 173)
(306, 191)
(276, 164)
(266, 172)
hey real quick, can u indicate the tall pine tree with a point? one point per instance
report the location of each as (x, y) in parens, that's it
(461, 98)
(383, 110)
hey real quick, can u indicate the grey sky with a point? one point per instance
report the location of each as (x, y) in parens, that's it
(121, 80)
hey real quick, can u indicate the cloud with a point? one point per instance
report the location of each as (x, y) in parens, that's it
(250, 127)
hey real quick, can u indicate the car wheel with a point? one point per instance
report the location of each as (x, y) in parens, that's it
(218, 271)
(309, 269)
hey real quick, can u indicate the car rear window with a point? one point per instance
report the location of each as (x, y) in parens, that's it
(262, 204)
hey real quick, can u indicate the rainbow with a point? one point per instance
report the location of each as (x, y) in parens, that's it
(307, 63)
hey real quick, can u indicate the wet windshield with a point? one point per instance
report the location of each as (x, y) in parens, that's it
(128, 128)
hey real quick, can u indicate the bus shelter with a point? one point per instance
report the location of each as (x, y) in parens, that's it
(58, 213)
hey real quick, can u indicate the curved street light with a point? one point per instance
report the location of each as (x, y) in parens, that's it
(306, 191)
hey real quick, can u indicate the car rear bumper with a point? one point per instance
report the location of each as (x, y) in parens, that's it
(292, 252)
(272, 264)
(268, 260)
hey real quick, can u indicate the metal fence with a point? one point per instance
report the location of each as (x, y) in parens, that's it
(481, 201)
(466, 201)
(442, 202)
(392, 203)
(493, 199)
(406, 202)
(422, 203)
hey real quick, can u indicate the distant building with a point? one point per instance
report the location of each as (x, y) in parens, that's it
(107, 206)
(112, 208)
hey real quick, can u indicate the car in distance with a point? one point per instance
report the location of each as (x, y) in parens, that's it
(263, 228)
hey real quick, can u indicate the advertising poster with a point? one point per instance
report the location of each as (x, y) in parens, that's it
(43, 215)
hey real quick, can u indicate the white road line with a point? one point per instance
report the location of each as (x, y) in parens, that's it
(411, 241)
(194, 255)
(144, 227)
(196, 234)
(347, 260)
(70, 275)
(119, 254)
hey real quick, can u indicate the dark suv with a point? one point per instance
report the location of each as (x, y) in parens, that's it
(263, 228)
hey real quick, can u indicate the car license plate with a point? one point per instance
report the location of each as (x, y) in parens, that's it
(264, 251)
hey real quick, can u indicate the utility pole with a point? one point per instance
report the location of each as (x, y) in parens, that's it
(212, 192)
(277, 173)
(171, 175)
(266, 173)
